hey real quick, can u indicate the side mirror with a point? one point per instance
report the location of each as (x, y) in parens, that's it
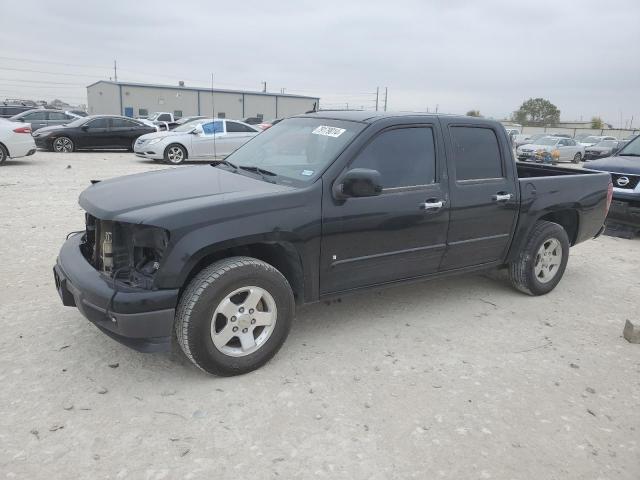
(84, 127)
(194, 131)
(358, 182)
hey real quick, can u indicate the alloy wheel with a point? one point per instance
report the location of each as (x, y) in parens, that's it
(243, 321)
(175, 155)
(63, 145)
(548, 260)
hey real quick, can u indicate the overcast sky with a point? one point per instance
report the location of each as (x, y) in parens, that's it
(460, 55)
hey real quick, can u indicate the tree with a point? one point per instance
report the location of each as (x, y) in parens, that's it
(473, 113)
(537, 112)
(596, 122)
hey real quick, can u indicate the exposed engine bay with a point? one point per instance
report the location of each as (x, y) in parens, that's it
(126, 252)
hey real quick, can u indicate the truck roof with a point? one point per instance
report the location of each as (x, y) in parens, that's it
(372, 116)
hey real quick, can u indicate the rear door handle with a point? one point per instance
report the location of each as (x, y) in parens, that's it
(501, 197)
(432, 205)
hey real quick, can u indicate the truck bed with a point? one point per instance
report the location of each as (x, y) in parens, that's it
(529, 170)
(575, 193)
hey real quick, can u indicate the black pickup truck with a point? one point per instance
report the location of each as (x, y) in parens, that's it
(314, 207)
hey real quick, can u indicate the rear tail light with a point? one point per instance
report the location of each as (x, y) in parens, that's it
(22, 130)
(609, 195)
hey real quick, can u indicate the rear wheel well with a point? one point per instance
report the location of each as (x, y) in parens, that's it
(567, 219)
(281, 255)
(5, 149)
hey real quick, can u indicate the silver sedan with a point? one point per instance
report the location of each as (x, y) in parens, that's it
(205, 139)
(568, 149)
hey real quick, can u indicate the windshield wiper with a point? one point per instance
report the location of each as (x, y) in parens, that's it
(628, 154)
(261, 171)
(215, 163)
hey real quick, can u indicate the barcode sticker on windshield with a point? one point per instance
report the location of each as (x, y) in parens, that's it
(329, 131)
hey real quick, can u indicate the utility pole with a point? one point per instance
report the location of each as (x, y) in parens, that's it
(385, 98)
(115, 71)
(264, 87)
(377, 97)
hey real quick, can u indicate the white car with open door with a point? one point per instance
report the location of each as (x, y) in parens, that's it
(205, 139)
(15, 140)
(568, 150)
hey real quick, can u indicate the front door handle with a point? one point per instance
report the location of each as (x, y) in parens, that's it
(432, 205)
(501, 197)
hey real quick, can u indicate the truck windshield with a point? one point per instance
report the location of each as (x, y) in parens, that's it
(297, 150)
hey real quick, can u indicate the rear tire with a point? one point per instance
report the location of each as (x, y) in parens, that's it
(216, 324)
(4, 154)
(542, 261)
(577, 157)
(175, 154)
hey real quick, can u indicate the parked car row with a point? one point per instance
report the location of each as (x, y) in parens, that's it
(194, 138)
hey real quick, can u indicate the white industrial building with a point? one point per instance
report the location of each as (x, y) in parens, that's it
(140, 100)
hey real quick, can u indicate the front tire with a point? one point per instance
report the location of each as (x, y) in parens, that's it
(577, 157)
(175, 154)
(234, 316)
(63, 145)
(542, 261)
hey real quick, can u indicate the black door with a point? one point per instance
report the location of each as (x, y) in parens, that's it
(94, 134)
(402, 232)
(484, 194)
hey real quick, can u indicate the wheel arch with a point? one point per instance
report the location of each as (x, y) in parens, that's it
(179, 144)
(280, 254)
(567, 219)
(6, 149)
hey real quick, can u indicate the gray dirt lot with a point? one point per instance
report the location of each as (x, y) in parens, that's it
(461, 378)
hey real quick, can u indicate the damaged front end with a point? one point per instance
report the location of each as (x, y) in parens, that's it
(129, 253)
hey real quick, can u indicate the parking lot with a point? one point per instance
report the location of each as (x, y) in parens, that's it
(457, 378)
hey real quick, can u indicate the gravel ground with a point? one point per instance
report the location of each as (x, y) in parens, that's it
(461, 378)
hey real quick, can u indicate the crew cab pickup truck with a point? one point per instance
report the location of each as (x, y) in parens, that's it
(218, 256)
(624, 167)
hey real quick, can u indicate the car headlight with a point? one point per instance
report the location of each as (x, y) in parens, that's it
(155, 140)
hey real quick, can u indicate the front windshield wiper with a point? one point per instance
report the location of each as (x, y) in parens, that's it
(215, 163)
(623, 154)
(261, 171)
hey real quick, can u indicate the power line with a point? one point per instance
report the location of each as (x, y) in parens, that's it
(51, 73)
(53, 63)
(82, 85)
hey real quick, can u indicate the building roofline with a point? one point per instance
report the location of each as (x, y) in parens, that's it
(200, 89)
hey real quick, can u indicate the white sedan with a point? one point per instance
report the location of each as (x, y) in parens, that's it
(205, 139)
(568, 149)
(15, 140)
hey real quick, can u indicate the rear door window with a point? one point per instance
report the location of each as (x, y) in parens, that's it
(235, 127)
(98, 123)
(476, 153)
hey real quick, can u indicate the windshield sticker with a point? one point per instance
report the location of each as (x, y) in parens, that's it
(306, 173)
(334, 132)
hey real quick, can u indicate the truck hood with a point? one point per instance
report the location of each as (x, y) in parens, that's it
(617, 164)
(164, 193)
